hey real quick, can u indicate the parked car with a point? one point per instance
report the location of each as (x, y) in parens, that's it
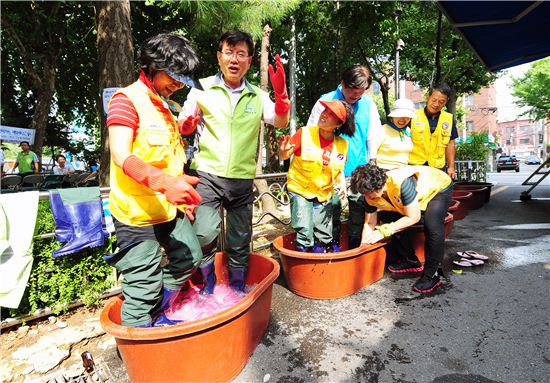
(533, 160)
(507, 163)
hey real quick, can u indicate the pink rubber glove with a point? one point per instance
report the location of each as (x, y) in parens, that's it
(188, 125)
(178, 190)
(278, 82)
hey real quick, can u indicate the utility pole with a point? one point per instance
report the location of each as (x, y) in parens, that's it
(398, 47)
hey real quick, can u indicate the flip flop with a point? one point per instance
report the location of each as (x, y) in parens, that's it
(468, 254)
(468, 262)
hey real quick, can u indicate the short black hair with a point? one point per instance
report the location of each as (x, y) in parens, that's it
(441, 88)
(348, 127)
(233, 37)
(357, 77)
(367, 178)
(59, 155)
(24, 142)
(168, 52)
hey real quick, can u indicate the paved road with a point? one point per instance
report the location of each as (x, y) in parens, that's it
(510, 177)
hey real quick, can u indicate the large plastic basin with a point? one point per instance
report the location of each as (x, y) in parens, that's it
(457, 209)
(213, 349)
(464, 197)
(463, 185)
(479, 195)
(331, 275)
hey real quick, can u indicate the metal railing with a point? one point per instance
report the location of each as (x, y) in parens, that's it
(471, 170)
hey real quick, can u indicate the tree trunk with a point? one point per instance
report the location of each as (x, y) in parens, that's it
(437, 60)
(116, 63)
(268, 204)
(451, 105)
(43, 105)
(385, 97)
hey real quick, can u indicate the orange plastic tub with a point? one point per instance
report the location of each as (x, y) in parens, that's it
(213, 349)
(418, 237)
(464, 198)
(331, 275)
(457, 210)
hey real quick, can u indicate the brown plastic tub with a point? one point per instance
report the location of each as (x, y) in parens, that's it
(331, 275)
(213, 349)
(479, 195)
(457, 210)
(464, 197)
(418, 237)
(463, 185)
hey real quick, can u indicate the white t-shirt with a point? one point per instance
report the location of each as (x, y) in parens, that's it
(62, 171)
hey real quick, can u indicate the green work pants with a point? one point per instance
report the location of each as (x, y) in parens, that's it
(145, 276)
(312, 220)
(236, 196)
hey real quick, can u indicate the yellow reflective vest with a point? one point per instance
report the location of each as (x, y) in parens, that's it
(430, 147)
(394, 148)
(159, 144)
(307, 176)
(430, 181)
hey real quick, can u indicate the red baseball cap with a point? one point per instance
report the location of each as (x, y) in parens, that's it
(336, 107)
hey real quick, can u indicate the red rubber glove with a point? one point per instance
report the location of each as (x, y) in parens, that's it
(278, 82)
(188, 125)
(178, 190)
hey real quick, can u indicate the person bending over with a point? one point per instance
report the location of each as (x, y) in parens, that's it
(400, 198)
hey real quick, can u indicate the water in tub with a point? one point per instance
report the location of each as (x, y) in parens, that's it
(190, 305)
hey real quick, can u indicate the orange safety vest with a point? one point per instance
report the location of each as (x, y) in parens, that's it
(430, 181)
(159, 144)
(430, 147)
(307, 176)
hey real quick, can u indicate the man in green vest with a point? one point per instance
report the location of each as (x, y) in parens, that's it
(433, 133)
(26, 160)
(226, 144)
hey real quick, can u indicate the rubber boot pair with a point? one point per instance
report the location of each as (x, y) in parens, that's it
(79, 224)
(236, 279)
(302, 249)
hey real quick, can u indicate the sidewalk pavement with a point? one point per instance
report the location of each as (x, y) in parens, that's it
(487, 324)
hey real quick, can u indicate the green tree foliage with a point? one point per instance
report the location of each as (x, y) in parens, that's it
(331, 36)
(458, 66)
(532, 90)
(48, 68)
(474, 149)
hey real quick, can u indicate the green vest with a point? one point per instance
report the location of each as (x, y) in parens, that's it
(25, 161)
(229, 141)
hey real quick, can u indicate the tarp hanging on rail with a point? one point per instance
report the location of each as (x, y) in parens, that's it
(503, 34)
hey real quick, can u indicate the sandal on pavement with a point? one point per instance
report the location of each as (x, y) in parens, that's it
(472, 254)
(468, 262)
